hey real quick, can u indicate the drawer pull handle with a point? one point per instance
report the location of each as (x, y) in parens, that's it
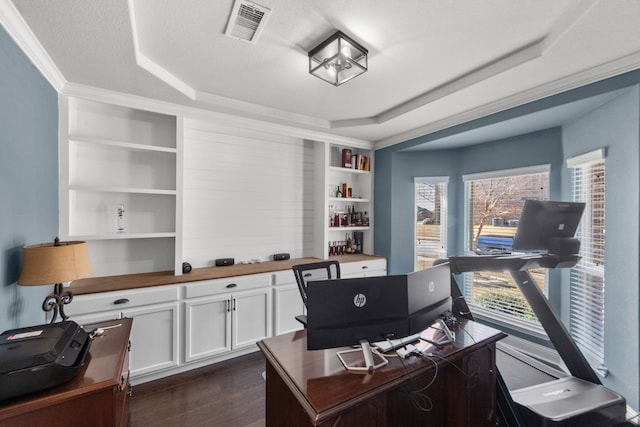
(121, 301)
(364, 267)
(231, 285)
(307, 275)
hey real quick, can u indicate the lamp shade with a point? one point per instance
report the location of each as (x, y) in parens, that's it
(51, 263)
(338, 59)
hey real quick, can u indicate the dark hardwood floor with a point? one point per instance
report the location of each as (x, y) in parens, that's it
(229, 393)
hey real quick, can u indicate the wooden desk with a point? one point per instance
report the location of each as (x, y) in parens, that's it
(97, 396)
(312, 388)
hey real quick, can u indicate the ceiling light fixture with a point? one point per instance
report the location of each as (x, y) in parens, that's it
(338, 59)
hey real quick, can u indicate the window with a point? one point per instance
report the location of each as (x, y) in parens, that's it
(431, 220)
(587, 284)
(494, 202)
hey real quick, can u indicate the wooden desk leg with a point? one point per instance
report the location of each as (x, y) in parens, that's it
(476, 389)
(282, 408)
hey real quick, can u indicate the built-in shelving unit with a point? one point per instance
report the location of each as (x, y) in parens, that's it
(112, 155)
(344, 200)
(170, 172)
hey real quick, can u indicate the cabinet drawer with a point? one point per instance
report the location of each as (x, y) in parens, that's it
(120, 300)
(378, 265)
(284, 277)
(226, 285)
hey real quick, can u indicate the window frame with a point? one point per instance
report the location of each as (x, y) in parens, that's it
(444, 180)
(529, 328)
(594, 351)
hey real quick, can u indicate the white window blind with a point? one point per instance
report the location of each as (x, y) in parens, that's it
(431, 220)
(587, 284)
(494, 202)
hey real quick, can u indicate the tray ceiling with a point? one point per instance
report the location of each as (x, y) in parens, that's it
(432, 64)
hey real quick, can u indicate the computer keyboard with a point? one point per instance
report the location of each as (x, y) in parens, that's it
(388, 345)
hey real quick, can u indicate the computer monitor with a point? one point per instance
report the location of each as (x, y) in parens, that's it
(358, 311)
(549, 226)
(429, 296)
(343, 312)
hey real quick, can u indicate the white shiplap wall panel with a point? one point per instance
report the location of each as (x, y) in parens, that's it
(246, 194)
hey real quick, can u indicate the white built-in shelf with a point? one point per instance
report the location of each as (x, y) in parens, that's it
(122, 190)
(110, 143)
(112, 155)
(348, 200)
(350, 228)
(123, 236)
(348, 170)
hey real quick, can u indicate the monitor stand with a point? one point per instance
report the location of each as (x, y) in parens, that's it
(372, 361)
(449, 337)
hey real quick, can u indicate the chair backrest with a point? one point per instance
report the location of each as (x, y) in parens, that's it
(321, 270)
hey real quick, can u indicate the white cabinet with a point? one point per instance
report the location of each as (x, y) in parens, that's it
(113, 156)
(370, 268)
(223, 315)
(251, 317)
(344, 199)
(208, 327)
(287, 303)
(181, 326)
(154, 338)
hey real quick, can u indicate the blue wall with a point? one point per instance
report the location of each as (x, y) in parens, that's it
(28, 178)
(394, 181)
(615, 126)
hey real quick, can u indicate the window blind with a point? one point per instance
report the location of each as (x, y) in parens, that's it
(587, 280)
(494, 202)
(431, 220)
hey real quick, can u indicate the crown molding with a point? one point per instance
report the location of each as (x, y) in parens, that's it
(18, 29)
(234, 120)
(600, 72)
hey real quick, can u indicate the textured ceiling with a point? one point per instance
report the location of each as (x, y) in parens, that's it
(432, 63)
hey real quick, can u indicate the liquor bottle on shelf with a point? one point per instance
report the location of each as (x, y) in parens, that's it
(120, 218)
(331, 215)
(357, 239)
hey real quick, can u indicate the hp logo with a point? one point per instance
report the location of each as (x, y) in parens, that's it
(432, 286)
(359, 300)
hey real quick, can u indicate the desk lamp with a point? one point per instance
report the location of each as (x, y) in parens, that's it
(56, 263)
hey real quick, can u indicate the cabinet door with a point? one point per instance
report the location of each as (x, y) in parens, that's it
(208, 327)
(251, 314)
(154, 338)
(287, 305)
(154, 335)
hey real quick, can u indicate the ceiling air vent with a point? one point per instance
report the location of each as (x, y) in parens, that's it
(247, 21)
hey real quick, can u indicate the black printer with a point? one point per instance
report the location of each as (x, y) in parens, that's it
(39, 357)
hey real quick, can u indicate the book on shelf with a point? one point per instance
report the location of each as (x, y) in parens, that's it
(346, 158)
(360, 162)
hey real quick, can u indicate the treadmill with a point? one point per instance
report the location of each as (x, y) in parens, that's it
(546, 229)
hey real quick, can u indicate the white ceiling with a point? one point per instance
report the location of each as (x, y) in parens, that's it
(432, 63)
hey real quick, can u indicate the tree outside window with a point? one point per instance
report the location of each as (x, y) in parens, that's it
(431, 221)
(494, 204)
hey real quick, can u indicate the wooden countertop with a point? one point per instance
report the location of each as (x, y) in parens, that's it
(143, 280)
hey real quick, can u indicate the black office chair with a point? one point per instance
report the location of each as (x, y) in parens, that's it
(320, 270)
